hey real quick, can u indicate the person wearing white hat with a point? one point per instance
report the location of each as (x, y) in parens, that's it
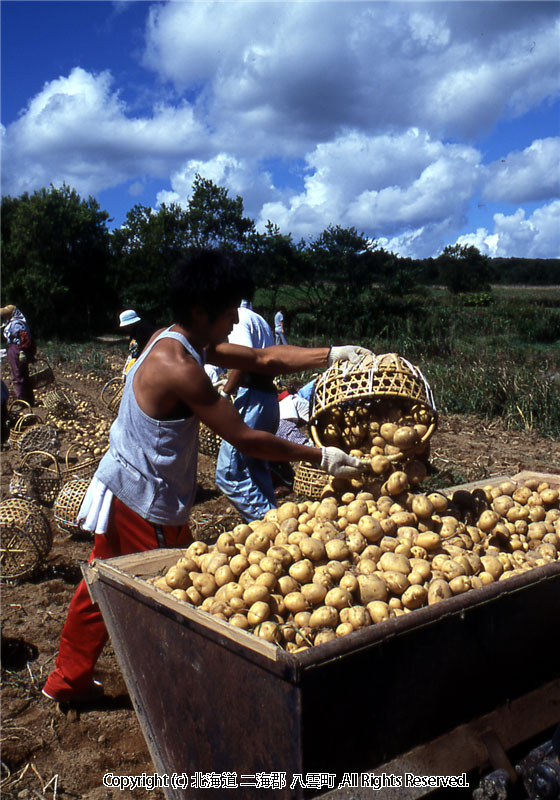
(140, 332)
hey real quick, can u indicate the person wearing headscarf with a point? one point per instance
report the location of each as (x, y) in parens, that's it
(21, 351)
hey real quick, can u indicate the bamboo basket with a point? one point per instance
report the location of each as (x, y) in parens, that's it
(59, 403)
(26, 539)
(39, 437)
(37, 478)
(17, 407)
(42, 374)
(83, 470)
(208, 442)
(111, 394)
(21, 425)
(309, 481)
(67, 505)
(380, 384)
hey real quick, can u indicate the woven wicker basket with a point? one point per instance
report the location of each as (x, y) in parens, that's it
(41, 374)
(26, 539)
(378, 384)
(39, 437)
(37, 477)
(17, 407)
(111, 394)
(22, 423)
(208, 441)
(67, 505)
(59, 403)
(83, 470)
(309, 481)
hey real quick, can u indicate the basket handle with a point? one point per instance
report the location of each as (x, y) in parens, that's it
(109, 385)
(43, 454)
(23, 418)
(17, 406)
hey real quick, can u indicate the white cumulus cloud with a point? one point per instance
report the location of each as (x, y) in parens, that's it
(536, 236)
(531, 175)
(77, 130)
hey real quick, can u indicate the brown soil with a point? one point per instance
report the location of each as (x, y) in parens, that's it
(50, 751)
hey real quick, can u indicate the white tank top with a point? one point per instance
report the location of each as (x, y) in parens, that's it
(151, 464)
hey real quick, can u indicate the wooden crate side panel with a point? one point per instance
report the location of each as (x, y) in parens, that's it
(201, 707)
(411, 688)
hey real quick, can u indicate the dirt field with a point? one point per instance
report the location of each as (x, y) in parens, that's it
(55, 752)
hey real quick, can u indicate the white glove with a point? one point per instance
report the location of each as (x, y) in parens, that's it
(347, 352)
(338, 463)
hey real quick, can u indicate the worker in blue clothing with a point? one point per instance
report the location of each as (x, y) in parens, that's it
(245, 480)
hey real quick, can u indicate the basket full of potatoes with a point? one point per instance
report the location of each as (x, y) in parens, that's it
(380, 409)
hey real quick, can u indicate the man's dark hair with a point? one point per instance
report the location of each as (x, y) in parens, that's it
(210, 278)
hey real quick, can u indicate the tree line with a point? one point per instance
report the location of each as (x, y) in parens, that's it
(71, 275)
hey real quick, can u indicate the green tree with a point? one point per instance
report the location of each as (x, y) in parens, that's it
(274, 260)
(145, 248)
(55, 260)
(463, 268)
(215, 219)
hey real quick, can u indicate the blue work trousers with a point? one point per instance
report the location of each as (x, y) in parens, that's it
(247, 482)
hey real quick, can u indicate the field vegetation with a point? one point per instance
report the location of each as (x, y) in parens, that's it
(486, 332)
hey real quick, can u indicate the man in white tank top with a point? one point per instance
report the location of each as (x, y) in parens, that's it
(141, 495)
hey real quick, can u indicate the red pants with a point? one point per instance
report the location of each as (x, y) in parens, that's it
(84, 634)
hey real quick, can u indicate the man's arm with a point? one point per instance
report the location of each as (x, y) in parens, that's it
(276, 360)
(233, 382)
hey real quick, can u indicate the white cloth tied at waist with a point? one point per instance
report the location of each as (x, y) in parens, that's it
(93, 515)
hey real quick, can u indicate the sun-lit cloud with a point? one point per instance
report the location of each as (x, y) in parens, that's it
(536, 236)
(379, 105)
(531, 175)
(77, 130)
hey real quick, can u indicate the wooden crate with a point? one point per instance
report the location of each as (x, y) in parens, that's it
(213, 698)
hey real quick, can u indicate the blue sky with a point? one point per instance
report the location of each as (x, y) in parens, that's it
(420, 124)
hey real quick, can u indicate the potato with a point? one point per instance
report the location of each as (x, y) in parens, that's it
(396, 582)
(314, 593)
(238, 564)
(273, 565)
(439, 502)
(256, 593)
(337, 550)
(257, 541)
(406, 437)
(287, 511)
(344, 629)
(359, 617)
(393, 562)
(349, 582)
(338, 598)
(324, 617)
(240, 533)
(302, 571)
(204, 583)
(460, 584)
(259, 612)
(488, 521)
(356, 510)
(287, 584)
(414, 597)
(226, 544)
(295, 602)
(396, 483)
(324, 636)
(422, 506)
(380, 464)
(177, 578)
(224, 575)
(492, 565)
(313, 549)
(240, 621)
(438, 590)
(378, 611)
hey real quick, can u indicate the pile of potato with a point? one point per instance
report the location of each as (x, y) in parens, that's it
(89, 433)
(390, 434)
(313, 571)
